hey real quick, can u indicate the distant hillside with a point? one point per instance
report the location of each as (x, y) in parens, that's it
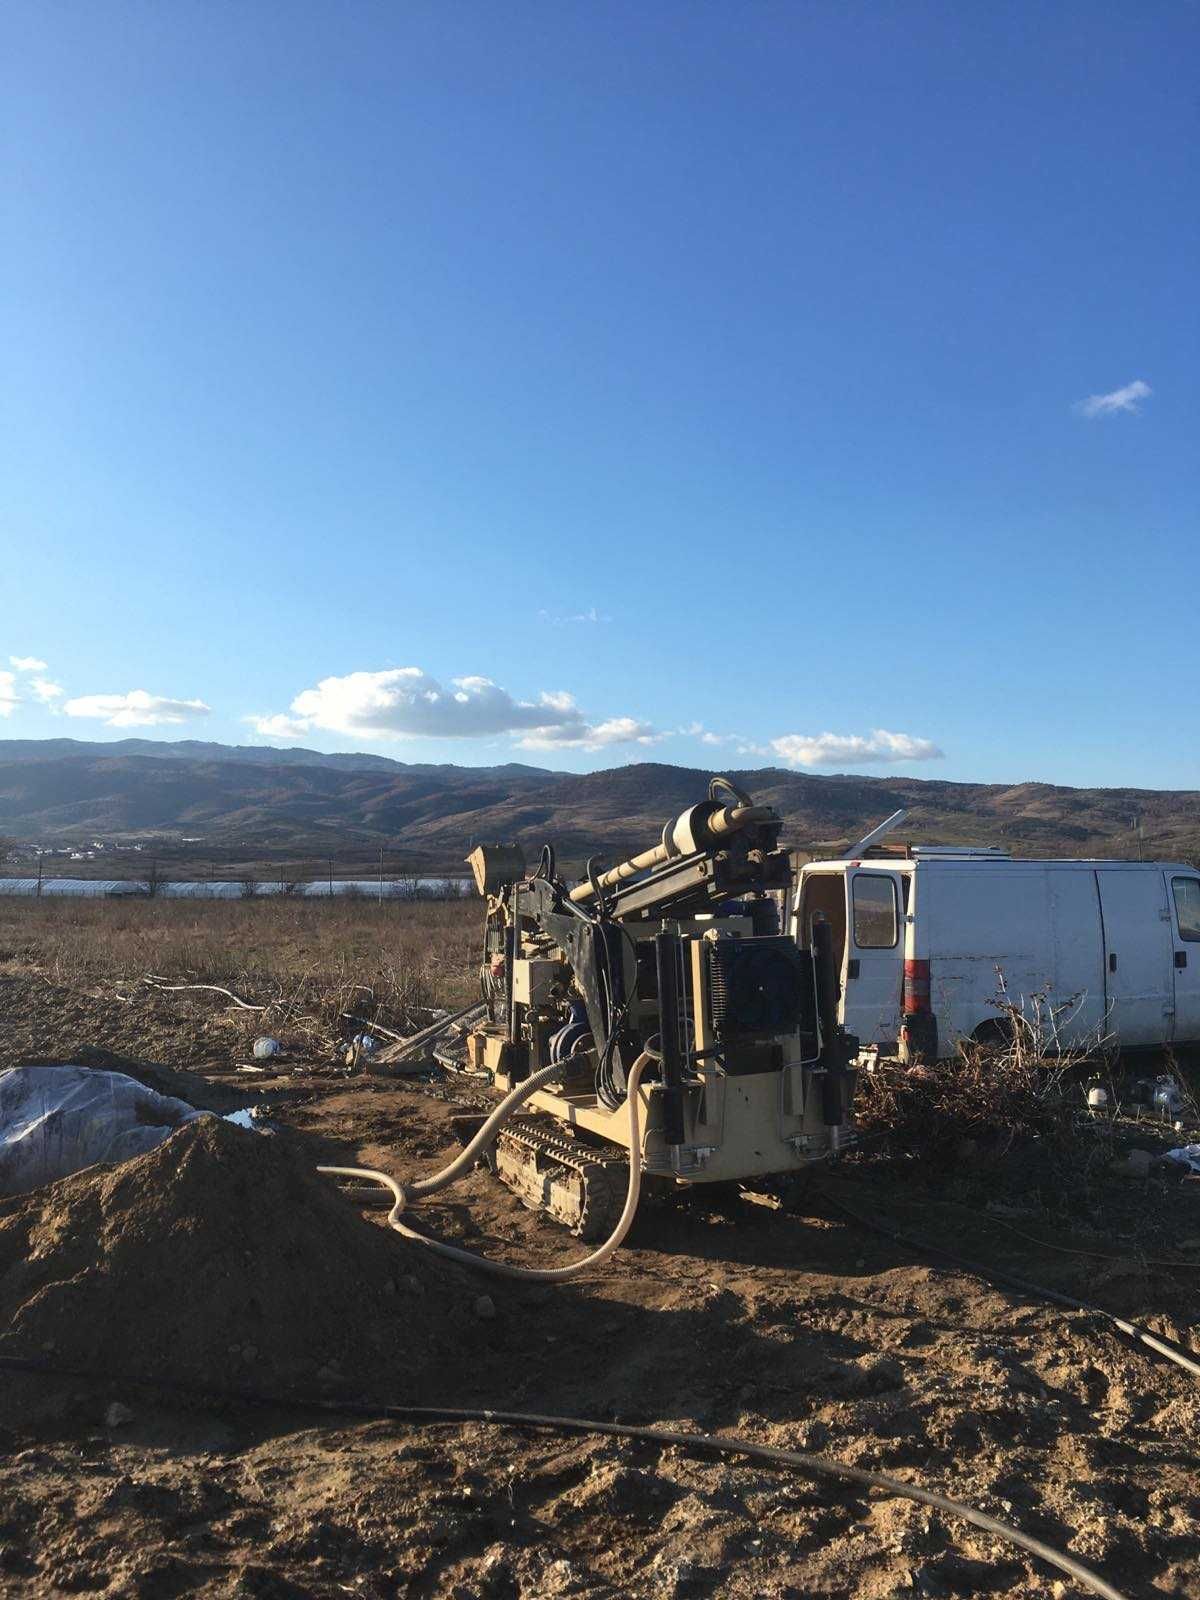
(59, 791)
(207, 750)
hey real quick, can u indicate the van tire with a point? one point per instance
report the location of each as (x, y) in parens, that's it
(995, 1033)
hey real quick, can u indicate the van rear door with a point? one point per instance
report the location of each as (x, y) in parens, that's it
(1185, 904)
(1138, 955)
(873, 972)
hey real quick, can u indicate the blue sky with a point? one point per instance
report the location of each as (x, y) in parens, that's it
(585, 383)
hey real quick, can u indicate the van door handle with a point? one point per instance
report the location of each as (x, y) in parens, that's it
(1112, 963)
(852, 968)
(1181, 958)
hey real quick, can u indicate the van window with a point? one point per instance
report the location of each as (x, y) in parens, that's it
(875, 920)
(824, 896)
(1187, 906)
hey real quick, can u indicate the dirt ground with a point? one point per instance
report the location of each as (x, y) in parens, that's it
(786, 1323)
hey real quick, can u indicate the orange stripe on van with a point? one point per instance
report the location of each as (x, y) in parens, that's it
(916, 986)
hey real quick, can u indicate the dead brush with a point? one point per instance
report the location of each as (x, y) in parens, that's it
(1020, 1087)
(987, 1097)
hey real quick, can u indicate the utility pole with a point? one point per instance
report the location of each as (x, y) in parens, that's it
(41, 853)
(331, 877)
(380, 874)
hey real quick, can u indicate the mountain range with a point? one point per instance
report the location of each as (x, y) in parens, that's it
(59, 791)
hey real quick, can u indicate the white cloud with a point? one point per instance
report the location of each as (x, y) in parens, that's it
(557, 700)
(15, 687)
(279, 726)
(831, 749)
(616, 730)
(406, 703)
(697, 730)
(1118, 400)
(137, 709)
(740, 743)
(559, 620)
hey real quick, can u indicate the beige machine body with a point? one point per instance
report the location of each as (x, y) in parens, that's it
(675, 955)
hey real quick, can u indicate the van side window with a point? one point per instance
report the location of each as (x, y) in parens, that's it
(876, 925)
(1187, 906)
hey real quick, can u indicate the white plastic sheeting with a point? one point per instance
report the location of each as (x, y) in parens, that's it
(57, 1120)
(225, 889)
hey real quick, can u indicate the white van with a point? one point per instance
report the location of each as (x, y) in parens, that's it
(921, 939)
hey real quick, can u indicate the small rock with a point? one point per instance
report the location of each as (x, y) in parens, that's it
(812, 1435)
(679, 1578)
(926, 1581)
(249, 1352)
(559, 1577)
(496, 1575)
(485, 1308)
(1136, 1164)
(412, 1285)
(117, 1415)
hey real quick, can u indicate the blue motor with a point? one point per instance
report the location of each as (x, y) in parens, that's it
(568, 1036)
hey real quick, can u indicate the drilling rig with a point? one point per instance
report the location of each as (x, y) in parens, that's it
(668, 972)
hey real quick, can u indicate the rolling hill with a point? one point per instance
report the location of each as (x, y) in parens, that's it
(62, 791)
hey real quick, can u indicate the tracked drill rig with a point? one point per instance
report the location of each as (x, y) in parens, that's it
(673, 961)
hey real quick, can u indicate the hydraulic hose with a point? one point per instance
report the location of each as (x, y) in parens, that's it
(409, 1195)
(812, 1466)
(703, 1444)
(1132, 1330)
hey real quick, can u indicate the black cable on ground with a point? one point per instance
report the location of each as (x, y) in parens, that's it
(695, 1443)
(1162, 1347)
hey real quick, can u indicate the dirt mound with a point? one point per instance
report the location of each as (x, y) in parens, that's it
(222, 1258)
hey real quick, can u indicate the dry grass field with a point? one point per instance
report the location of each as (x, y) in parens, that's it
(780, 1320)
(382, 961)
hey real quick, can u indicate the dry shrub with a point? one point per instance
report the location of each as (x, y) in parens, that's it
(1020, 1088)
(985, 1099)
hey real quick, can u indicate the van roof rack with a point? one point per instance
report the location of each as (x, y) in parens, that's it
(872, 846)
(990, 852)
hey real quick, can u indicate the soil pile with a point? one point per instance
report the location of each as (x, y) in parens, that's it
(221, 1257)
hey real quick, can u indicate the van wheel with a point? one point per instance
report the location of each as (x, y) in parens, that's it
(996, 1033)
